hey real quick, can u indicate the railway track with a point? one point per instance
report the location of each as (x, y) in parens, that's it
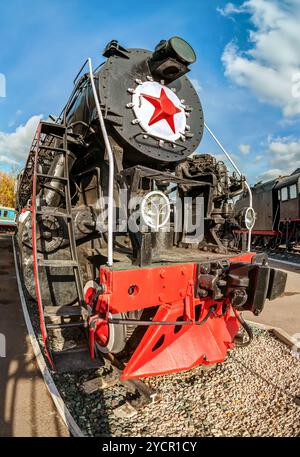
(281, 256)
(255, 392)
(286, 258)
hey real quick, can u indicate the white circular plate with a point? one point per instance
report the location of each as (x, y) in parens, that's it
(155, 209)
(159, 111)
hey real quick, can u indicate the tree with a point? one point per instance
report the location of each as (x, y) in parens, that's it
(7, 195)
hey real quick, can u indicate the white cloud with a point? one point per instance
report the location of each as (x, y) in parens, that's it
(196, 84)
(258, 158)
(281, 147)
(229, 9)
(244, 148)
(285, 154)
(222, 158)
(7, 160)
(219, 157)
(269, 66)
(283, 157)
(15, 117)
(270, 174)
(14, 147)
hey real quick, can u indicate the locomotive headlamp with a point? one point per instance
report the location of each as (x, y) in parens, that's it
(171, 58)
(248, 218)
(177, 48)
(155, 209)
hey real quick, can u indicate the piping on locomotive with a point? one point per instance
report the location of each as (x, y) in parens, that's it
(127, 234)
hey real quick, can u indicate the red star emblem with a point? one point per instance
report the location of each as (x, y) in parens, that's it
(164, 109)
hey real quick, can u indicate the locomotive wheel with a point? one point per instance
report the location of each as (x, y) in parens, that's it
(50, 233)
(111, 337)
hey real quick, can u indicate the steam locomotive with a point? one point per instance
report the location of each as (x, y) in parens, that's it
(125, 235)
(276, 203)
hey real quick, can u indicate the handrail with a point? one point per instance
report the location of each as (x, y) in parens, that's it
(79, 72)
(239, 172)
(111, 169)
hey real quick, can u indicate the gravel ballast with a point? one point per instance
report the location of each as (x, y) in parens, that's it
(251, 394)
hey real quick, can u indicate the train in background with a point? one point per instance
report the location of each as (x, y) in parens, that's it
(7, 219)
(277, 207)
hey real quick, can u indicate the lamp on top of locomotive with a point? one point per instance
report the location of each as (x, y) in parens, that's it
(171, 58)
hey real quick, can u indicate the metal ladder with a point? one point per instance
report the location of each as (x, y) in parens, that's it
(75, 358)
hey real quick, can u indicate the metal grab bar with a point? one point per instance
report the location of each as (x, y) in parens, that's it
(111, 169)
(238, 171)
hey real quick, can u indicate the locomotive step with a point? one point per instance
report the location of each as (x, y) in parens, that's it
(58, 178)
(53, 148)
(56, 129)
(52, 211)
(67, 325)
(64, 311)
(75, 360)
(57, 263)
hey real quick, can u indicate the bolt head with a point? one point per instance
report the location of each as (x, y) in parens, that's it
(162, 273)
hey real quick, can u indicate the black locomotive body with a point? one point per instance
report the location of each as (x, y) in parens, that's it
(125, 234)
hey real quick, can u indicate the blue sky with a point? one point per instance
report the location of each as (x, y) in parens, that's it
(247, 54)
